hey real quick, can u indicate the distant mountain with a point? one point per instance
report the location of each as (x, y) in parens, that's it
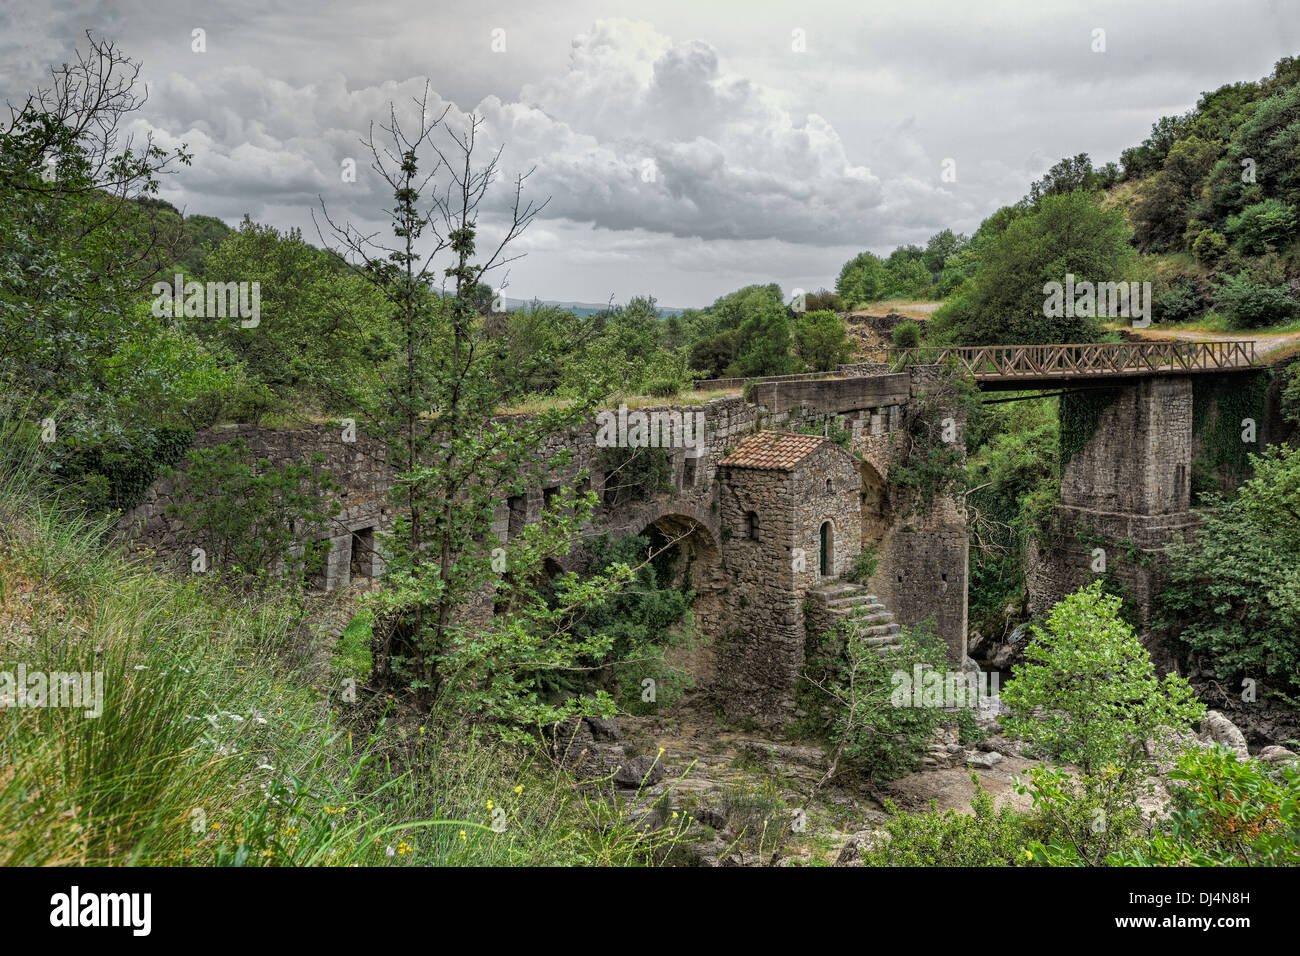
(580, 308)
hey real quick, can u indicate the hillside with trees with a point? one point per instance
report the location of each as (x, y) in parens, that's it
(259, 721)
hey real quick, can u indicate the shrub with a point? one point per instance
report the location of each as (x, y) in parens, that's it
(907, 335)
(850, 687)
(1261, 225)
(1233, 594)
(985, 837)
(1182, 300)
(1250, 304)
(1226, 812)
(663, 388)
(864, 568)
(1209, 246)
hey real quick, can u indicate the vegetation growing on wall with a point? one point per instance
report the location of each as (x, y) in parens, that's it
(1219, 409)
(1013, 479)
(635, 474)
(247, 516)
(932, 460)
(1081, 413)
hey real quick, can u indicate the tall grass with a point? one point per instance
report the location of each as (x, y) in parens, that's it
(219, 741)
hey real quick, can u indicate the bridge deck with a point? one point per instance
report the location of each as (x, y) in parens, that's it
(1010, 365)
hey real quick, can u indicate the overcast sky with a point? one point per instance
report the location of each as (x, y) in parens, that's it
(689, 147)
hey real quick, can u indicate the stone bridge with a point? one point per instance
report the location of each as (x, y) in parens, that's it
(767, 511)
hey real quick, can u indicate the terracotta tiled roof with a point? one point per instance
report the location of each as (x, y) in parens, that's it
(779, 451)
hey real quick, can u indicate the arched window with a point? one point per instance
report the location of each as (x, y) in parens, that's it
(830, 487)
(753, 525)
(827, 554)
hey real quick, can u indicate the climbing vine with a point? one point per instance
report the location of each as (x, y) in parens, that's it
(1080, 415)
(114, 474)
(1218, 410)
(933, 463)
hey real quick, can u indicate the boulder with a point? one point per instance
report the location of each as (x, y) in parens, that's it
(984, 760)
(1274, 754)
(638, 772)
(1216, 728)
(999, 744)
(851, 852)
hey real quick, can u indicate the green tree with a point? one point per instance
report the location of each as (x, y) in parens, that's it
(1088, 695)
(764, 334)
(1234, 587)
(1260, 161)
(77, 248)
(942, 246)
(821, 340)
(322, 334)
(1161, 216)
(1068, 175)
(455, 457)
(1004, 303)
(861, 279)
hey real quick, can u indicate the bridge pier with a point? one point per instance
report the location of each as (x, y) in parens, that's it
(1125, 494)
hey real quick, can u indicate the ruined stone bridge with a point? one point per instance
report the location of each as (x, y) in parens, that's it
(767, 512)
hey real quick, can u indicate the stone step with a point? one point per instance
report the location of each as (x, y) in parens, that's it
(850, 600)
(879, 640)
(875, 616)
(859, 610)
(834, 592)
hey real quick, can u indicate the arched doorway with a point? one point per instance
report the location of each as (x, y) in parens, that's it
(875, 505)
(687, 558)
(826, 553)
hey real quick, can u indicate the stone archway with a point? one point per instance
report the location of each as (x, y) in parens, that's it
(875, 504)
(689, 556)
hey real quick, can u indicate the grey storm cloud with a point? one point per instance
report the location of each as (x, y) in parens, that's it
(638, 132)
(684, 156)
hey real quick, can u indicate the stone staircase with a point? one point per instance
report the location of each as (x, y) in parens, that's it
(853, 603)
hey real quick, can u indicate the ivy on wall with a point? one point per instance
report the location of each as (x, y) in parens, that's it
(1218, 408)
(931, 467)
(1080, 415)
(115, 474)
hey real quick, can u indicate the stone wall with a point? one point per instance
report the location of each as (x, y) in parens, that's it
(358, 466)
(772, 521)
(925, 553)
(1124, 497)
(750, 594)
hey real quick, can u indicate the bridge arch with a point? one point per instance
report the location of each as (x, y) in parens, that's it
(688, 556)
(876, 514)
